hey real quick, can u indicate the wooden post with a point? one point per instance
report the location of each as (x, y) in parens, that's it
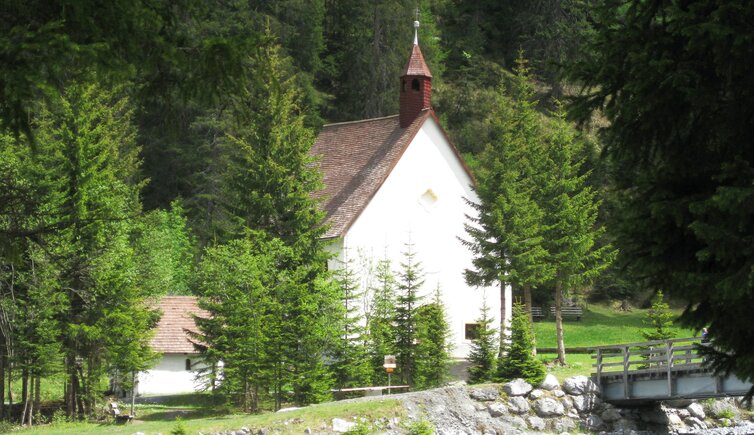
(599, 369)
(625, 372)
(669, 363)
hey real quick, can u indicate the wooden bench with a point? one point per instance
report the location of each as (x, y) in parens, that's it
(119, 418)
(537, 313)
(574, 311)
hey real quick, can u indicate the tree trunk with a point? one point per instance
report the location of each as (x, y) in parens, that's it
(503, 320)
(527, 302)
(24, 393)
(70, 396)
(559, 321)
(2, 381)
(134, 382)
(37, 393)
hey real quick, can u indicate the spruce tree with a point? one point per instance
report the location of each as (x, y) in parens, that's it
(432, 344)
(409, 283)
(517, 361)
(484, 349)
(659, 320)
(381, 325)
(571, 207)
(351, 365)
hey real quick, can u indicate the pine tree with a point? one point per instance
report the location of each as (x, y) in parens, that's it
(410, 281)
(484, 349)
(571, 207)
(351, 366)
(432, 344)
(659, 320)
(381, 326)
(517, 361)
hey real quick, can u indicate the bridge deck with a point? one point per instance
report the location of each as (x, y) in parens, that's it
(659, 370)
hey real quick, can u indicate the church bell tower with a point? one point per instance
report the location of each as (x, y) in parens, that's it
(416, 84)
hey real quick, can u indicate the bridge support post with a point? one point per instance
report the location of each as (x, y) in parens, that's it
(625, 372)
(669, 363)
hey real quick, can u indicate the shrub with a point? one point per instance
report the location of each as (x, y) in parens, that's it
(517, 360)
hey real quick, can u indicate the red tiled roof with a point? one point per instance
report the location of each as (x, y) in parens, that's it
(177, 318)
(416, 65)
(356, 158)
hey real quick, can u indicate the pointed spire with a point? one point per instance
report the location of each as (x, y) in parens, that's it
(416, 28)
(416, 83)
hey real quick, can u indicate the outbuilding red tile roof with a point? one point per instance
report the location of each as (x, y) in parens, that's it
(177, 318)
(416, 66)
(356, 158)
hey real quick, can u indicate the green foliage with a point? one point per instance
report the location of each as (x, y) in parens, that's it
(433, 344)
(679, 144)
(178, 428)
(659, 320)
(408, 301)
(381, 323)
(484, 349)
(419, 427)
(517, 360)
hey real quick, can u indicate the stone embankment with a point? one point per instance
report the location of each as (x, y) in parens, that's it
(520, 408)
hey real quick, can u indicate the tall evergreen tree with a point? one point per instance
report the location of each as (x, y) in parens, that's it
(484, 349)
(409, 283)
(381, 325)
(571, 207)
(432, 344)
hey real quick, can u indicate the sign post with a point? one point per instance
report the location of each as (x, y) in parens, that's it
(389, 367)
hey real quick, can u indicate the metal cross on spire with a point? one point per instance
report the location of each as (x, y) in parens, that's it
(416, 28)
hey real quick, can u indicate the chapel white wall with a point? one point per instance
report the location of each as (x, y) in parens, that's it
(170, 376)
(397, 214)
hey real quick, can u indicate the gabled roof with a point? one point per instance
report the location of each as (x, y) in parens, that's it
(177, 318)
(416, 66)
(356, 159)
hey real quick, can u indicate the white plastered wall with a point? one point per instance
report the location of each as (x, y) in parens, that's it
(422, 200)
(170, 376)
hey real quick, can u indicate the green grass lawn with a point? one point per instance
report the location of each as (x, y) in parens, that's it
(153, 419)
(601, 325)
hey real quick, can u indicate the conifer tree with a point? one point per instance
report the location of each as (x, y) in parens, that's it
(432, 344)
(351, 366)
(571, 208)
(381, 326)
(659, 320)
(517, 361)
(408, 301)
(484, 349)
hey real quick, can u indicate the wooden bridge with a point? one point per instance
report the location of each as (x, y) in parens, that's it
(659, 370)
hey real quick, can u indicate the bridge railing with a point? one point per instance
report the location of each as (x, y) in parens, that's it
(649, 357)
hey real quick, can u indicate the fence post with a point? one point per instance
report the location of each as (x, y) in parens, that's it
(669, 363)
(625, 372)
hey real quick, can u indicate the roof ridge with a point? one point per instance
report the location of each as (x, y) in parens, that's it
(360, 120)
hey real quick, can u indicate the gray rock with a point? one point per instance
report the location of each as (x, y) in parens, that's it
(515, 421)
(567, 402)
(678, 403)
(549, 383)
(245, 429)
(339, 425)
(517, 387)
(683, 413)
(497, 409)
(577, 385)
(726, 422)
(594, 422)
(722, 409)
(563, 425)
(696, 410)
(610, 415)
(536, 423)
(624, 425)
(675, 421)
(654, 415)
(585, 402)
(484, 394)
(558, 393)
(572, 413)
(518, 405)
(695, 424)
(308, 431)
(292, 408)
(548, 407)
(536, 394)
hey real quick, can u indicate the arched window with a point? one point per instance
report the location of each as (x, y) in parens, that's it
(188, 364)
(415, 84)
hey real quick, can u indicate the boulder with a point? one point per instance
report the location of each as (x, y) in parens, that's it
(550, 383)
(518, 405)
(536, 394)
(695, 424)
(548, 407)
(515, 421)
(610, 415)
(577, 385)
(517, 387)
(696, 410)
(536, 423)
(339, 425)
(654, 415)
(721, 409)
(497, 409)
(558, 393)
(594, 423)
(563, 425)
(484, 394)
(585, 402)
